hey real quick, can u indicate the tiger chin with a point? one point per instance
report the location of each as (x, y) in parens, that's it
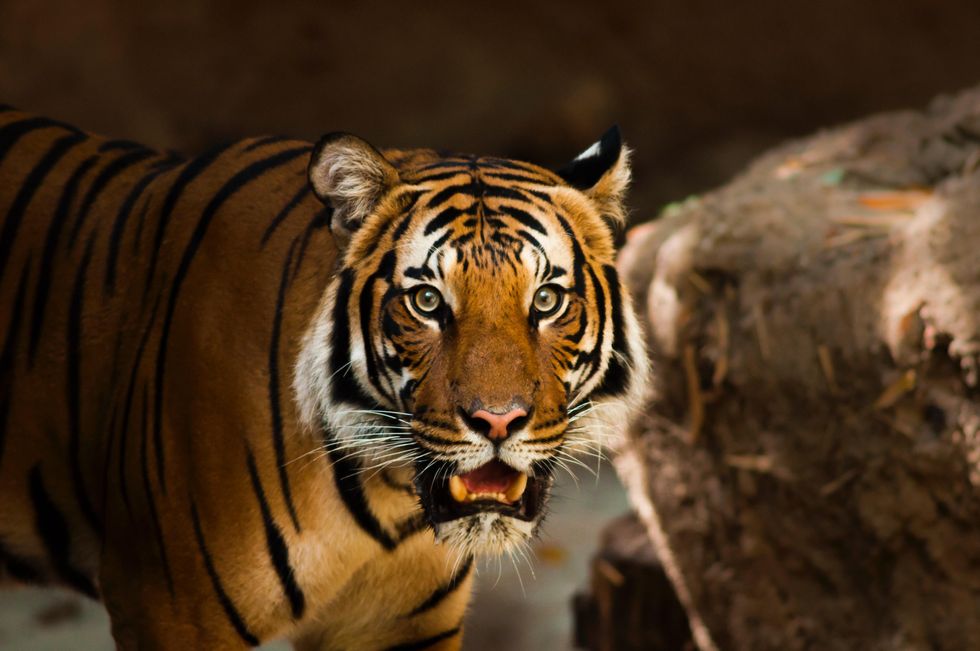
(285, 390)
(493, 328)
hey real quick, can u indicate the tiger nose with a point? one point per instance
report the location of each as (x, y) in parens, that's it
(500, 425)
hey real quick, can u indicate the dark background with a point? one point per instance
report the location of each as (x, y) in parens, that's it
(698, 87)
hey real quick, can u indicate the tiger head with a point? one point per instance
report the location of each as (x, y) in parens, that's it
(476, 334)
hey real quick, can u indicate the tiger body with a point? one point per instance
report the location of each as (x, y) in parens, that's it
(190, 349)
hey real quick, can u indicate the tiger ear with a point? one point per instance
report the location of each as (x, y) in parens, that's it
(350, 176)
(602, 173)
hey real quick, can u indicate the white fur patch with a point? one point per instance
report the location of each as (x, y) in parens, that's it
(489, 534)
(595, 149)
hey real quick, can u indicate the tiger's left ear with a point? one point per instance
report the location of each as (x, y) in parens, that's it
(350, 176)
(602, 173)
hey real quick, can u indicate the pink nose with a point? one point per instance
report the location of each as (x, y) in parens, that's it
(499, 423)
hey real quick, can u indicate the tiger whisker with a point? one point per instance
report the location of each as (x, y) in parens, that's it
(517, 570)
(525, 550)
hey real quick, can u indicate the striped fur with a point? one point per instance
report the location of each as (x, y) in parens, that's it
(216, 400)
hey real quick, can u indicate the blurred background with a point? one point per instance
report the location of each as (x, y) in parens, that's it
(698, 88)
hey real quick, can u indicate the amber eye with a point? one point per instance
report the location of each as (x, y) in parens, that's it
(427, 299)
(547, 300)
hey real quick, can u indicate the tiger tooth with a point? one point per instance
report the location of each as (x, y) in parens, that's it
(458, 490)
(516, 489)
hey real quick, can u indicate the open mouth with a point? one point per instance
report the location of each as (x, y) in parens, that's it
(493, 487)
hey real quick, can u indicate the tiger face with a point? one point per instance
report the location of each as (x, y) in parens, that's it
(477, 333)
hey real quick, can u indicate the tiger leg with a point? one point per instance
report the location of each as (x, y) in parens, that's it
(145, 615)
(414, 597)
(156, 597)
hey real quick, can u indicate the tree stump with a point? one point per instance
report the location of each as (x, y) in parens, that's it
(630, 605)
(809, 465)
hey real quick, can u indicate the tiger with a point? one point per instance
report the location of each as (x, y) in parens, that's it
(292, 391)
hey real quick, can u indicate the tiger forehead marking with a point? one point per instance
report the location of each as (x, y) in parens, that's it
(485, 219)
(436, 322)
(479, 202)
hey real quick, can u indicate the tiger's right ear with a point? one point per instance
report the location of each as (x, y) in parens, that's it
(351, 177)
(602, 173)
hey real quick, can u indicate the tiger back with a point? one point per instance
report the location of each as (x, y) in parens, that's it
(227, 409)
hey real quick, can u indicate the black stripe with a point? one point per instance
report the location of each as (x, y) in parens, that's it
(53, 531)
(443, 591)
(284, 212)
(148, 490)
(58, 221)
(390, 482)
(275, 408)
(343, 385)
(437, 440)
(615, 380)
(110, 444)
(191, 171)
(11, 133)
(444, 218)
(404, 224)
(578, 265)
(524, 217)
(595, 355)
(510, 164)
(127, 406)
(536, 243)
(18, 567)
(278, 550)
(118, 228)
(445, 165)
(471, 189)
(346, 476)
(517, 193)
(232, 186)
(548, 439)
(411, 525)
(519, 178)
(262, 141)
(28, 188)
(436, 247)
(384, 272)
(99, 183)
(492, 191)
(420, 645)
(73, 384)
(439, 176)
(236, 619)
(424, 273)
(320, 220)
(120, 145)
(140, 221)
(7, 354)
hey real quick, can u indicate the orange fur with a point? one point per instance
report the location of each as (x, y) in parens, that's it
(159, 318)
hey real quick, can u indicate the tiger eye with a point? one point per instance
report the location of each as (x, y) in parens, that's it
(427, 299)
(547, 300)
